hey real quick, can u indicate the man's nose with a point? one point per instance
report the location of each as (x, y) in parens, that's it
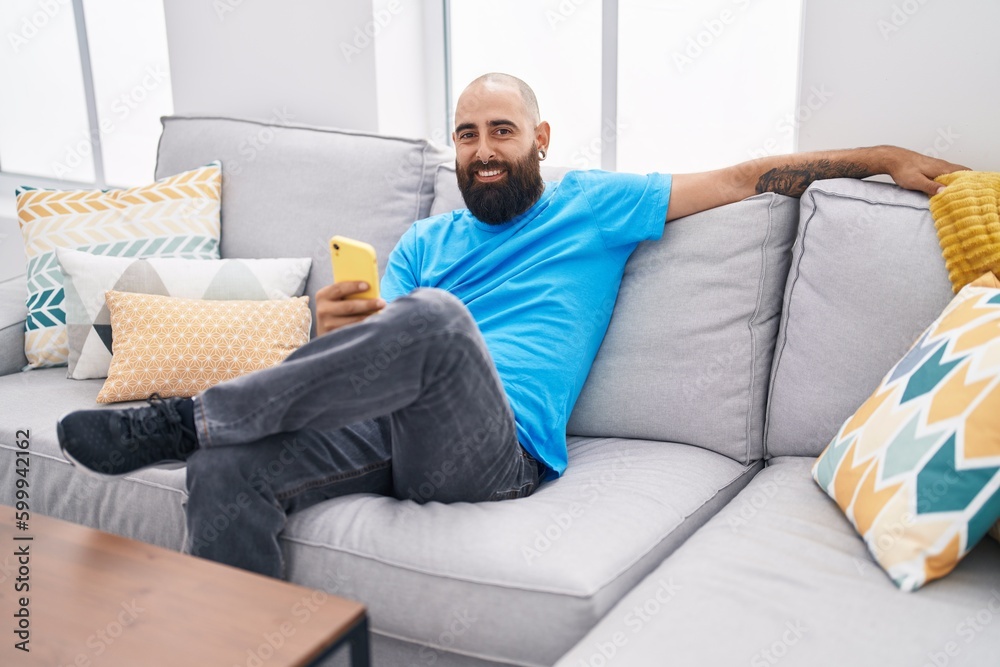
(484, 152)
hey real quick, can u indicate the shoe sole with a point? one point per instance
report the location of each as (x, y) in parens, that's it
(166, 464)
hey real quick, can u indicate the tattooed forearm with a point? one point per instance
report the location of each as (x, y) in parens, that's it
(792, 180)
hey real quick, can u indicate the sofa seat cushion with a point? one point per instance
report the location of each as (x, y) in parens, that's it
(520, 581)
(528, 577)
(146, 506)
(780, 572)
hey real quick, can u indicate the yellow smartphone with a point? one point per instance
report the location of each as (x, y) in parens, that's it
(355, 260)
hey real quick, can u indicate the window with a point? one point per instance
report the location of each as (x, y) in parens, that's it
(87, 81)
(703, 85)
(643, 85)
(128, 53)
(44, 113)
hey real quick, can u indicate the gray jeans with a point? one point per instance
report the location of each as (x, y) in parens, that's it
(406, 403)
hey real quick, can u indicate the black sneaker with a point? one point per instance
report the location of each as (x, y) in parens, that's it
(119, 442)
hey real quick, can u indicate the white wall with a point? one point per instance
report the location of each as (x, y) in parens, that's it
(922, 74)
(301, 61)
(410, 69)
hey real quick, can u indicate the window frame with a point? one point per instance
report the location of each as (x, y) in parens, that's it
(10, 180)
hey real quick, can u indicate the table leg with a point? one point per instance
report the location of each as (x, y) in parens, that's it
(357, 639)
(357, 643)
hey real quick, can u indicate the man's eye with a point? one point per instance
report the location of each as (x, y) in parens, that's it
(503, 130)
(465, 135)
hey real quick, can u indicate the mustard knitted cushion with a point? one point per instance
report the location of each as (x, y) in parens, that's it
(968, 224)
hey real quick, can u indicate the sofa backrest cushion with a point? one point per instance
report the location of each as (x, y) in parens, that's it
(447, 196)
(287, 189)
(867, 277)
(688, 354)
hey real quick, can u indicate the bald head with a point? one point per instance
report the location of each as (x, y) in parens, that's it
(499, 80)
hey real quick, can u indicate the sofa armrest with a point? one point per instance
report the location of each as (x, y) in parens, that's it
(13, 293)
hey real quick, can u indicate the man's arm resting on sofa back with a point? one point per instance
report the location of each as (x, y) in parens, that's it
(791, 174)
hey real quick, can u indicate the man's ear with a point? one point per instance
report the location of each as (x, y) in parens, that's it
(542, 133)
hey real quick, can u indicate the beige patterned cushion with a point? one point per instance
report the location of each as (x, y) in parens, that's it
(88, 277)
(178, 347)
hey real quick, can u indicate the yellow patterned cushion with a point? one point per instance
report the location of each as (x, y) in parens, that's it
(174, 217)
(916, 469)
(178, 347)
(967, 218)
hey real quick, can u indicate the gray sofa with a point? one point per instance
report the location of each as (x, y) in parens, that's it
(686, 530)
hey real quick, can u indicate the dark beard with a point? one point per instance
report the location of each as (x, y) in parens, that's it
(500, 202)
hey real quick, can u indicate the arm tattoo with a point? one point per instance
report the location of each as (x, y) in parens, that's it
(792, 180)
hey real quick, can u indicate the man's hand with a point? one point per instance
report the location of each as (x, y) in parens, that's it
(790, 175)
(914, 171)
(335, 310)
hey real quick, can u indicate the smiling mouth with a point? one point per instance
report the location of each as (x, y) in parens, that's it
(487, 175)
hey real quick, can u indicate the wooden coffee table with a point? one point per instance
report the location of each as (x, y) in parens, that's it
(99, 599)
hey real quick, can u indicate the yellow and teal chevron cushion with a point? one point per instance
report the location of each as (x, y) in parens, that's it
(173, 217)
(917, 468)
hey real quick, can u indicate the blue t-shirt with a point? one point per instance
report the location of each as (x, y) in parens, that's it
(541, 287)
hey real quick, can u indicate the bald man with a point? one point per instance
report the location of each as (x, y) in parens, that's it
(460, 390)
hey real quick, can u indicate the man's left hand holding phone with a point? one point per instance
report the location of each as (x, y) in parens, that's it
(340, 304)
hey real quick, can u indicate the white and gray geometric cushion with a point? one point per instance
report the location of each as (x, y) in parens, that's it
(88, 277)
